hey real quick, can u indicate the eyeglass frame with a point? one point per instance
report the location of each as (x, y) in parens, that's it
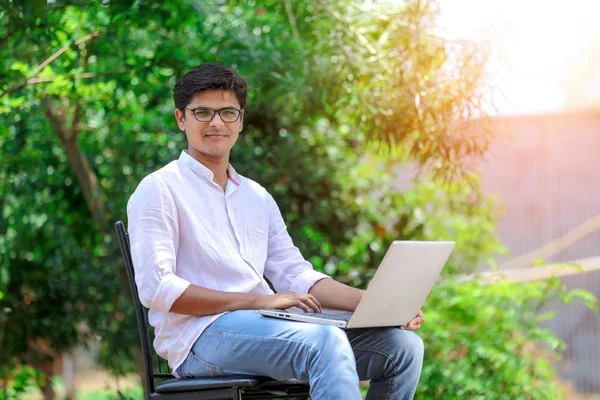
(215, 112)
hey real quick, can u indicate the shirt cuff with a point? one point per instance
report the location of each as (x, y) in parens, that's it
(306, 280)
(171, 287)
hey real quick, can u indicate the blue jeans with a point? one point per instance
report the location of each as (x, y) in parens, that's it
(330, 359)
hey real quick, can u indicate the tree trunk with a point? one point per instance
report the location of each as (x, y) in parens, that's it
(47, 369)
(86, 177)
(88, 181)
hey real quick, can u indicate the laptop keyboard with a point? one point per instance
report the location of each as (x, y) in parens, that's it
(327, 313)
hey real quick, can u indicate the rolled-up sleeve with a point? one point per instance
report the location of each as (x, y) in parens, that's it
(285, 267)
(153, 232)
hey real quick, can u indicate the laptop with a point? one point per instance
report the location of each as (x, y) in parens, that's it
(396, 293)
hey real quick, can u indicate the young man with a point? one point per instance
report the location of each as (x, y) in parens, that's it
(204, 236)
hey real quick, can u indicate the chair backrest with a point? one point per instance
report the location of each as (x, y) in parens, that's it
(139, 308)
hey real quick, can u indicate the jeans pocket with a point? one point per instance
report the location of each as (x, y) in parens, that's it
(198, 367)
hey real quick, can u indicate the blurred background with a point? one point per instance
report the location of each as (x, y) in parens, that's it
(474, 121)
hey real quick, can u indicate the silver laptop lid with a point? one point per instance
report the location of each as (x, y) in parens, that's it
(401, 284)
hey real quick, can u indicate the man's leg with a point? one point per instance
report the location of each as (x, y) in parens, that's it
(391, 358)
(245, 342)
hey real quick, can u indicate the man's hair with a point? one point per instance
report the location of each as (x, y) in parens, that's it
(209, 76)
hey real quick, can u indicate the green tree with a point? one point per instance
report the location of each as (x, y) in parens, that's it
(341, 94)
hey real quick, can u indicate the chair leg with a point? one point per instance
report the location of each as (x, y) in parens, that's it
(236, 393)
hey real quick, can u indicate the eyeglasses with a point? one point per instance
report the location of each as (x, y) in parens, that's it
(204, 114)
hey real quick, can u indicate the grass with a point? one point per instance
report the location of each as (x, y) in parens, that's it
(129, 393)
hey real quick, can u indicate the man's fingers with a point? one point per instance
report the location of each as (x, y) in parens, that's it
(312, 303)
(415, 323)
(313, 306)
(413, 327)
(419, 319)
(300, 304)
(306, 302)
(314, 299)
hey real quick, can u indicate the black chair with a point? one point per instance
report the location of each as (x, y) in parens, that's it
(227, 387)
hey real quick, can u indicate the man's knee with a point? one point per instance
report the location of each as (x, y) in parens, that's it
(330, 336)
(415, 343)
(398, 351)
(332, 366)
(331, 342)
(406, 348)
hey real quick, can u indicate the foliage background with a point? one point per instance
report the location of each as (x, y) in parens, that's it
(341, 96)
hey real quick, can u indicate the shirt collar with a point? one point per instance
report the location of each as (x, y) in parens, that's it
(203, 171)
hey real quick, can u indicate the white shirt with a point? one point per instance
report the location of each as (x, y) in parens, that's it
(185, 230)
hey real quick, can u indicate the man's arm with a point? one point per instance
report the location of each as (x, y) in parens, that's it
(197, 300)
(288, 271)
(333, 294)
(154, 234)
(285, 267)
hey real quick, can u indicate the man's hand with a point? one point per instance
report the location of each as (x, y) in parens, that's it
(306, 302)
(415, 323)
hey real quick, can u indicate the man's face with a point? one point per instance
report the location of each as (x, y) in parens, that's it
(210, 141)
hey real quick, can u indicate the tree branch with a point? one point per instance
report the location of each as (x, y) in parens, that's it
(24, 22)
(64, 49)
(557, 245)
(5, 38)
(361, 38)
(77, 108)
(34, 81)
(290, 14)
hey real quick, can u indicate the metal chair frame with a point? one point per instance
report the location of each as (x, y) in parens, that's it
(234, 387)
